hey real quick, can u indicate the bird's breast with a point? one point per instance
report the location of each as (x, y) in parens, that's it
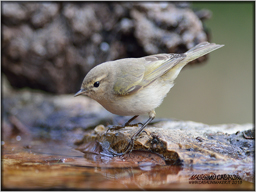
(138, 103)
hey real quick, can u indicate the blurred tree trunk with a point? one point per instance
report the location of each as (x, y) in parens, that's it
(51, 46)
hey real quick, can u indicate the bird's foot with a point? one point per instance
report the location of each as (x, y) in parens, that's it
(117, 127)
(128, 149)
(114, 127)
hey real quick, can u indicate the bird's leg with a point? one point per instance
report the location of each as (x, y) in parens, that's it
(130, 120)
(130, 145)
(111, 127)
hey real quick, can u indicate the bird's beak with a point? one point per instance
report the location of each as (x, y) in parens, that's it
(80, 92)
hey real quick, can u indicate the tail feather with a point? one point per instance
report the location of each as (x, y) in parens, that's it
(192, 54)
(200, 50)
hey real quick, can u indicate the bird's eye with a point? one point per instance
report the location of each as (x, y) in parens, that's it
(96, 84)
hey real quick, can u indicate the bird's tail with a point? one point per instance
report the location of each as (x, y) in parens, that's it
(200, 50)
(192, 54)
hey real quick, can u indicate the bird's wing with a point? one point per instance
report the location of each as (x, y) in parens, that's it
(158, 65)
(138, 73)
(128, 76)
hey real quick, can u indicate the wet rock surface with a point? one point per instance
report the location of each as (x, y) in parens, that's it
(54, 166)
(184, 143)
(52, 45)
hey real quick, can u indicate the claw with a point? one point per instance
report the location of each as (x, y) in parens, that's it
(131, 142)
(111, 127)
(128, 149)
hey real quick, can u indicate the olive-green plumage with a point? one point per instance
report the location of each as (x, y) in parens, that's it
(136, 86)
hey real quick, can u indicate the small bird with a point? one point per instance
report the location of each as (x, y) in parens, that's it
(136, 86)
